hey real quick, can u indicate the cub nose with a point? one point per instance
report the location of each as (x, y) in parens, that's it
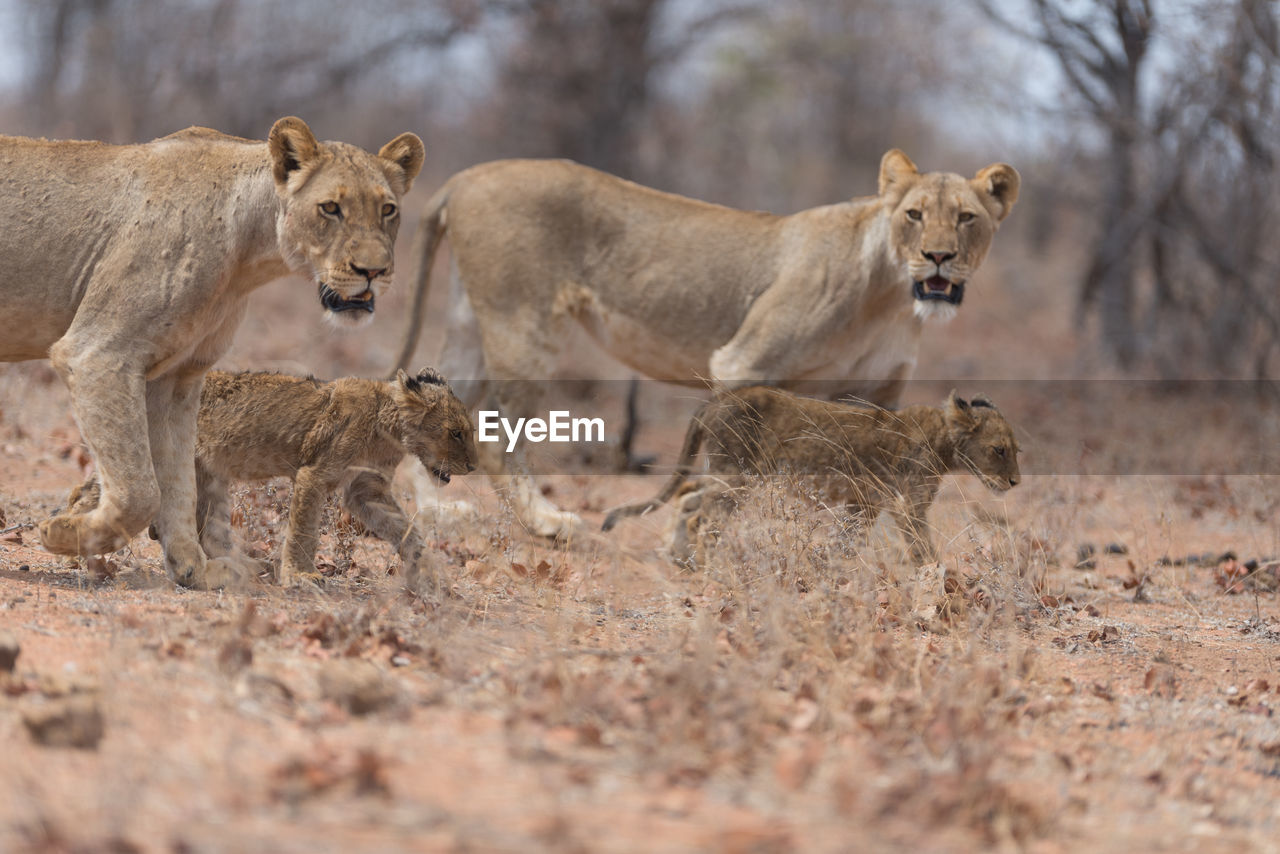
(1013, 481)
(939, 258)
(369, 274)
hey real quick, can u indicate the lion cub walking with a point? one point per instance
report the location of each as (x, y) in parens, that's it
(853, 456)
(347, 432)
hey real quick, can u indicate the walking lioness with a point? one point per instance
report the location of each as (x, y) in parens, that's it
(129, 267)
(349, 432)
(829, 301)
(851, 457)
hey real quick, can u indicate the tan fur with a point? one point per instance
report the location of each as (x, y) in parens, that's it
(852, 457)
(129, 267)
(688, 292)
(349, 432)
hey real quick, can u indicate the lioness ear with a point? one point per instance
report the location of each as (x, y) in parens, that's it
(896, 171)
(997, 185)
(407, 152)
(293, 146)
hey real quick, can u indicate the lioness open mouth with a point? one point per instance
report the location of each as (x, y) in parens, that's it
(335, 302)
(939, 288)
(441, 473)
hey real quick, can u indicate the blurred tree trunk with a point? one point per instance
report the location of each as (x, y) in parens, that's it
(1101, 49)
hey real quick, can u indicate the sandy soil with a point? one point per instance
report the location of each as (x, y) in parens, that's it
(793, 693)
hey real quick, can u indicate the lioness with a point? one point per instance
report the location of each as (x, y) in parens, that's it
(853, 457)
(128, 266)
(830, 300)
(350, 432)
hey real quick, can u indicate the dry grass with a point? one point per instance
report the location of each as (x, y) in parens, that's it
(796, 690)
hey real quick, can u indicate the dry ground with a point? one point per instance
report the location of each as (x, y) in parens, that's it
(791, 694)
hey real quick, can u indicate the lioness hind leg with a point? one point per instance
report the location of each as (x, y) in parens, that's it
(172, 404)
(109, 406)
(534, 356)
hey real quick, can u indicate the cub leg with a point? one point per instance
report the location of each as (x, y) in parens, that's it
(367, 497)
(310, 488)
(213, 512)
(910, 514)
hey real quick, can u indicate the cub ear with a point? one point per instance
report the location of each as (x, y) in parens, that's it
(293, 147)
(405, 381)
(406, 154)
(896, 172)
(957, 412)
(997, 185)
(981, 401)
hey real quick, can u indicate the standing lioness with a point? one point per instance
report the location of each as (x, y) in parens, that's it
(830, 300)
(129, 267)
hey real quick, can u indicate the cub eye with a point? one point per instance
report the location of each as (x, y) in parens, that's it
(457, 435)
(1000, 450)
(967, 216)
(388, 210)
(330, 208)
(914, 215)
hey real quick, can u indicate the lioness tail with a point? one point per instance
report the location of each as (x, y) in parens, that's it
(425, 243)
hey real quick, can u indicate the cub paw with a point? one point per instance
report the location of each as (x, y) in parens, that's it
(71, 534)
(231, 572)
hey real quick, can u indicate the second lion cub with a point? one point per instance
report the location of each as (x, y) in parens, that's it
(347, 432)
(856, 458)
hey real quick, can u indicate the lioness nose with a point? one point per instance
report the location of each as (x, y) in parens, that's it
(939, 257)
(367, 273)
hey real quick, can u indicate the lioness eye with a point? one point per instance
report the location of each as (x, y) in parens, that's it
(914, 215)
(330, 208)
(966, 216)
(388, 209)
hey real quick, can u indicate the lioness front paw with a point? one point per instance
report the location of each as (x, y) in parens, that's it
(73, 534)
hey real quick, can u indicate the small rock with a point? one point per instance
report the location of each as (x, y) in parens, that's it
(1117, 549)
(9, 650)
(357, 685)
(73, 721)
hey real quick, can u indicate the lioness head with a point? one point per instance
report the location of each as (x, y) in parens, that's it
(942, 225)
(339, 213)
(983, 440)
(434, 425)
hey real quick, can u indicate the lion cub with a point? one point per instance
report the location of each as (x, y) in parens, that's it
(347, 432)
(852, 456)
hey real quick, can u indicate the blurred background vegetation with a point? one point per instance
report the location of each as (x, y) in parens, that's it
(1146, 131)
